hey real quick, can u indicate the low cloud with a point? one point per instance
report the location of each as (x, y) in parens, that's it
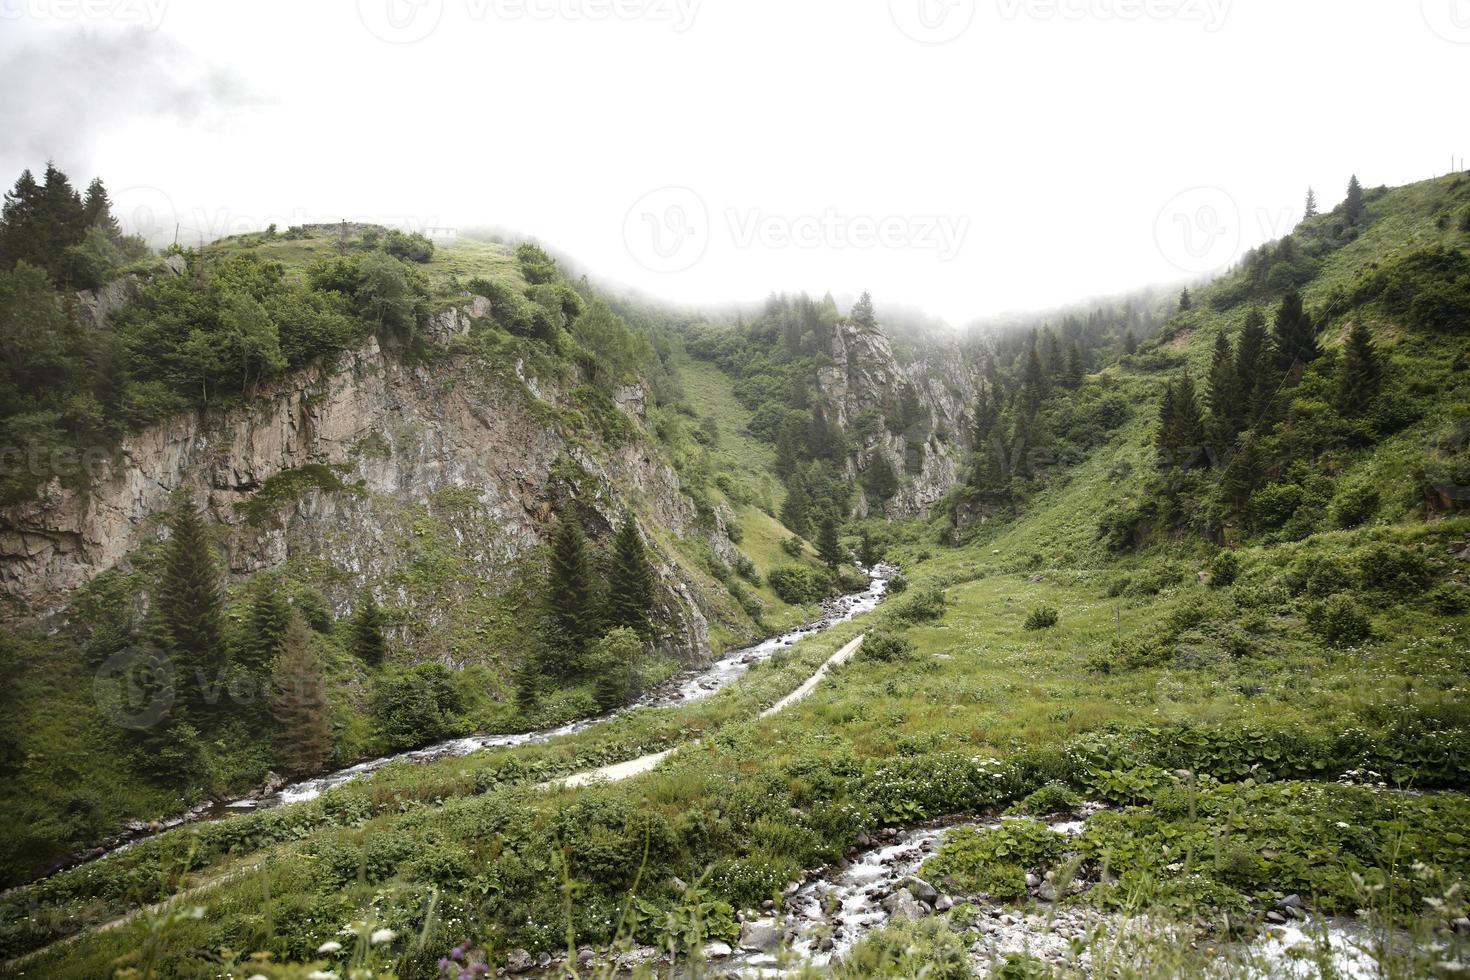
(61, 94)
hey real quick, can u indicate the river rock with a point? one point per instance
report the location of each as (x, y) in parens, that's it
(760, 935)
(273, 784)
(518, 961)
(943, 903)
(1275, 918)
(717, 950)
(903, 906)
(920, 889)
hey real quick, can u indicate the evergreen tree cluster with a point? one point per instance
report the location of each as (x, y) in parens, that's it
(73, 237)
(597, 614)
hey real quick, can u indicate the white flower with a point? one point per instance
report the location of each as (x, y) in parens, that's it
(330, 946)
(1342, 824)
(321, 975)
(382, 936)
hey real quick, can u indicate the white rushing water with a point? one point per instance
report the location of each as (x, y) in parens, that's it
(683, 689)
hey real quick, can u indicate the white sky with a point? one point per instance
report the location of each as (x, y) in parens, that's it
(1035, 157)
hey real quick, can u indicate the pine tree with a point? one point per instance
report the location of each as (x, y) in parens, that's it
(190, 607)
(265, 626)
(1296, 337)
(1186, 302)
(1033, 381)
(299, 703)
(1243, 473)
(868, 555)
(1311, 210)
(829, 549)
(1055, 364)
(20, 231)
(1359, 374)
(365, 638)
(1130, 342)
(794, 509)
(1075, 370)
(1353, 206)
(630, 584)
(1224, 396)
(570, 599)
(97, 210)
(862, 312)
(986, 414)
(529, 678)
(1181, 432)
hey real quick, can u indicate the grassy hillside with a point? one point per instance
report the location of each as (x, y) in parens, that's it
(1269, 696)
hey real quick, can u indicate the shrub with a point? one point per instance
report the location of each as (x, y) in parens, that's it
(1355, 504)
(1040, 618)
(1224, 570)
(927, 948)
(885, 647)
(1339, 620)
(1398, 569)
(923, 606)
(1054, 797)
(792, 546)
(995, 861)
(797, 585)
(897, 584)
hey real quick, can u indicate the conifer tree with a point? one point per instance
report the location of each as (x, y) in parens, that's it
(1359, 374)
(794, 509)
(1055, 364)
(572, 617)
(21, 237)
(265, 626)
(97, 210)
(1130, 342)
(986, 414)
(190, 608)
(862, 312)
(1243, 473)
(1181, 429)
(1295, 335)
(1225, 396)
(1033, 381)
(299, 703)
(630, 584)
(1076, 370)
(1186, 302)
(1311, 209)
(365, 639)
(829, 549)
(1353, 206)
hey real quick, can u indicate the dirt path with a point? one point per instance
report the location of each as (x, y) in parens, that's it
(642, 764)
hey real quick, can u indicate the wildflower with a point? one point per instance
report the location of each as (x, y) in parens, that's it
(382, 936)
(330, 946)
(1342, 824)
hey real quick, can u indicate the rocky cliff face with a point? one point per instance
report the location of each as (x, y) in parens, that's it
(429, 482)
(867, 376)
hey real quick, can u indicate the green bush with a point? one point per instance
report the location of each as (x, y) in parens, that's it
(885, 647)
(798, 584)
(1397, 569)
(925, 605)
(1040, 618)
(1054, 797)
(1224, 570)
(1355, 504)
(995, 861)
(1340, 620)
